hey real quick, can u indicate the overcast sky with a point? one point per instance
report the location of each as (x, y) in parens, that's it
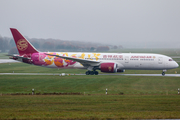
(130, 23)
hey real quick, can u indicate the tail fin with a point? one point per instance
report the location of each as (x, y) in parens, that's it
(23, 45)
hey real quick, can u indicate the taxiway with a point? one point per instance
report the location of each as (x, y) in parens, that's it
(167, 75)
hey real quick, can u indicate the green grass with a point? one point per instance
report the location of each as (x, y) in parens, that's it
(26, 68)
(144, 97)
(3, 56)
(129, 85)
(90, 107)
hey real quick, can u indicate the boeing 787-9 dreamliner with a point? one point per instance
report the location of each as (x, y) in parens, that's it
(105, 62)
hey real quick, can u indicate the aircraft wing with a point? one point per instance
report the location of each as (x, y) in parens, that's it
(85, 63)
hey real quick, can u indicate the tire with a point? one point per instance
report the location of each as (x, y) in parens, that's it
(92, 72)
(163, 73)
(96, 73)
(87, 72)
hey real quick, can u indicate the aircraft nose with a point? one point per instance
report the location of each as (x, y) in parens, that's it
(176, 64)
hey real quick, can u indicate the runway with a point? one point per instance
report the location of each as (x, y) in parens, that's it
(59, 74)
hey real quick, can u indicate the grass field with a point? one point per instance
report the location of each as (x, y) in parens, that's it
(3, 56)
(129, 85)
(143, 97)
(90, 107)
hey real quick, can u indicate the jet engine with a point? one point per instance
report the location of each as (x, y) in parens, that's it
(108, 67)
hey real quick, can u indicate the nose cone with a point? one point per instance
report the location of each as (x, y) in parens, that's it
(176, 65)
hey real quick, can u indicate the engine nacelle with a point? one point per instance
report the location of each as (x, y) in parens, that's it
(108, 67)
(120, 70)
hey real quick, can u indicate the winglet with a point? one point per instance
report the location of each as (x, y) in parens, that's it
(22, 44)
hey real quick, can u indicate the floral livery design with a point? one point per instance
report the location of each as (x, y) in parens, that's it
(38, 58)
(49, 59)
(42, 59)
(59, 62)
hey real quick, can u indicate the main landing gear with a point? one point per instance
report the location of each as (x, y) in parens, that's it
(92, 73)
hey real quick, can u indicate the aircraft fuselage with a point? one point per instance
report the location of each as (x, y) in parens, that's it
(136, 61)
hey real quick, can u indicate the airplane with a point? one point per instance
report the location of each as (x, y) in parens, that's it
(105, 62)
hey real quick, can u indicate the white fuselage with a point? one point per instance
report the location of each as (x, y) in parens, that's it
(136, 61)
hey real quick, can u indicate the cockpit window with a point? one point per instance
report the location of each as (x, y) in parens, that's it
(170, 59)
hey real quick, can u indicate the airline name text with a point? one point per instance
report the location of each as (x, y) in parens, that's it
(141, 57)
(112, 56)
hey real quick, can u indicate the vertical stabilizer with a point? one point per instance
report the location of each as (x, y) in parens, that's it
(23, 45)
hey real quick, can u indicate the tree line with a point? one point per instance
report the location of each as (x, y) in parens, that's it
(45, 45)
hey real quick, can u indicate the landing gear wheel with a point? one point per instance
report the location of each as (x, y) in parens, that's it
(87, 72)
(92, 72)
(96, 72)
(163, 73)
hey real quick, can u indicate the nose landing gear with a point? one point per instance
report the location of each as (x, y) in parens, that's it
(163, 73)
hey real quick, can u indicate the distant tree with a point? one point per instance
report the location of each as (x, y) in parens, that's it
(62, 50)
(102, 49)
(68, 47)
(120, 46)
(48, 46)
(13, 51)
(35, 44)
(60, 47)
(115, 47)
(12, 43)
(1, 43)
(92, 49)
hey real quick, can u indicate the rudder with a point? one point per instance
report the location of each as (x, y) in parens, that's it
(23, 45)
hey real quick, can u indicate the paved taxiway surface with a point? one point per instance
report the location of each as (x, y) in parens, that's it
(7, 61)
(167, 75)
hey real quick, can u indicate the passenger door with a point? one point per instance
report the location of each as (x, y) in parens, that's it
(126, 59)
(160, 60)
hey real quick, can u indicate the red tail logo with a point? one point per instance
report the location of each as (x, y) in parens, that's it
(23, 45)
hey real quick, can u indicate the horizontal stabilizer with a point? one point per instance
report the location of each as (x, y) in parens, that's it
(16, 57)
